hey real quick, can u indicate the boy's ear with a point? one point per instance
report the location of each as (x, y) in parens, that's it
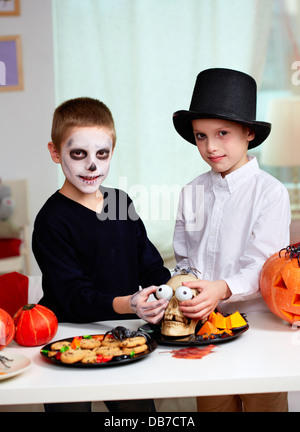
(251, 135)
(53, 152)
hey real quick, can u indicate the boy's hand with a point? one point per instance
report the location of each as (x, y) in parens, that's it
(210, 293)
(151, 311)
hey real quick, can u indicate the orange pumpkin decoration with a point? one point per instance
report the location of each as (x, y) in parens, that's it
(280, 283)
(7, 329)
(35, 325)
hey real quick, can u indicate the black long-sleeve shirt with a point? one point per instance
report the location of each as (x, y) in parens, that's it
(87, 258)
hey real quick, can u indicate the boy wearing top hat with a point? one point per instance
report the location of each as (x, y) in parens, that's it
(245, 211)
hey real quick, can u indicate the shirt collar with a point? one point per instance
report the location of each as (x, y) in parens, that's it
(237, 177)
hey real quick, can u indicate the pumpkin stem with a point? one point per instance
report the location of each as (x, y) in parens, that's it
(28, 307)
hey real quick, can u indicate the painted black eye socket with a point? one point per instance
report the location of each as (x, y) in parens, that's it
(78, 154)
(164, 291)
(103, 154)
(184, 293)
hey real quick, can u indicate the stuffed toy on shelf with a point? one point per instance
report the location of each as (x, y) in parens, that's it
(10, 240)
(7, 203)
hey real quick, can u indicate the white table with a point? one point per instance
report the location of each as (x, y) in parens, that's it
(264, 359)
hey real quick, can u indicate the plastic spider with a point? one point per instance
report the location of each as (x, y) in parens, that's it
(3, 360)
(121, 333)
(293, 251)
(192, 270)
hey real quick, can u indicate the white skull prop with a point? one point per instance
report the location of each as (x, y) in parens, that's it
(174, 322)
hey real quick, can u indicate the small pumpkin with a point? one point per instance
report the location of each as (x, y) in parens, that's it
(280, 283)
(35, 325)
(7, 329)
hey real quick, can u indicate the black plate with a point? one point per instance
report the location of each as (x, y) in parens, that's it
(155, 333)
(115, 361)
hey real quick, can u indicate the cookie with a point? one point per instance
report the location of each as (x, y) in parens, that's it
(109, 351)
(73, 356)
(90, 357)
(51, 354)
(89, 344)
(133, 342)
(111, 342)
(57, 346)
(137, 349)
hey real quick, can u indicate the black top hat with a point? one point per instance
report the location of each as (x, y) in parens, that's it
(225, 94)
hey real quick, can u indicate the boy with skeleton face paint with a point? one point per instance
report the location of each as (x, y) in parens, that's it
(86, 158)
(93, 259)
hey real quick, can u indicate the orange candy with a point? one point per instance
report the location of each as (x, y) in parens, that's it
(217, 324)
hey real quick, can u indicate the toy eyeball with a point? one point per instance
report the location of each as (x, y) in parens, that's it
(184, 293)
(165, 292)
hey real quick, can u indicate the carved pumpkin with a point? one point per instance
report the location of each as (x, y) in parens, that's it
(35, 325)
(280, 284)
(7, 329)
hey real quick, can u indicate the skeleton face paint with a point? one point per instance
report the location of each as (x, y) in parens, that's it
(85, 158)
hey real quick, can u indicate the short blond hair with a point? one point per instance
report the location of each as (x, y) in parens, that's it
(80, 112)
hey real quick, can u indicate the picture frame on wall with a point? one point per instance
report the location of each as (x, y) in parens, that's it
(9, 7)
(11, 72)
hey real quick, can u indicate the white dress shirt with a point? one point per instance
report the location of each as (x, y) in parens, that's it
(227, 227)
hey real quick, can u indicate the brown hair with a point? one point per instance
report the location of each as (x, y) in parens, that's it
(80, 112)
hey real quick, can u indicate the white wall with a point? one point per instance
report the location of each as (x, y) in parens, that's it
(25, 116)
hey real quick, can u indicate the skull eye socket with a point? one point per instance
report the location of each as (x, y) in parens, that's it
(184, 293)
(165, 292)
